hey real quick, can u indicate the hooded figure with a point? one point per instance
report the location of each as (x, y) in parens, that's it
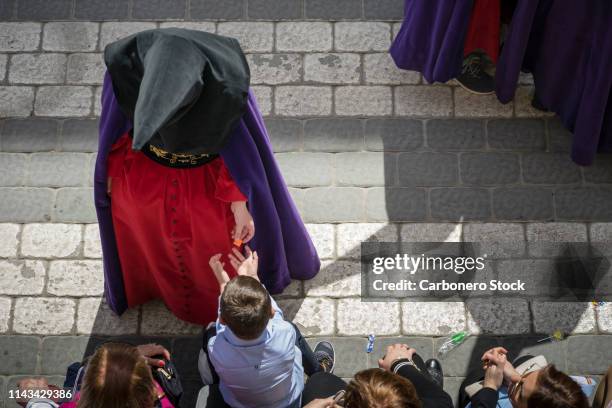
(565, 44)
(181, 143)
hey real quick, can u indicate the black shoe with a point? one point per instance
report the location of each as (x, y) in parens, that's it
(325, 355)
(435, 371)
(474, 78)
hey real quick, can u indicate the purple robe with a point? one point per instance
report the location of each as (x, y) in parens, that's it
(284, 247)
(565, 44)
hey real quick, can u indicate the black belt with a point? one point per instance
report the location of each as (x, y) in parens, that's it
(176, 160)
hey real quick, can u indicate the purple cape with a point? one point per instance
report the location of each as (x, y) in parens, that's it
(285, 249)
(565, 44)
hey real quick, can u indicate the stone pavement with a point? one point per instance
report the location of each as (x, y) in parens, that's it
(369, 152)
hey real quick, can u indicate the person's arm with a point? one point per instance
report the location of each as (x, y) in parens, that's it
(494, 364)
(398, 360)
(429, 392)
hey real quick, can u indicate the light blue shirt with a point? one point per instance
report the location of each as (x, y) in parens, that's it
(265, 372)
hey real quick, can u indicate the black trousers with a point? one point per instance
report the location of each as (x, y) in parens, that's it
(477, 375)
(325, 385)
(215, 399)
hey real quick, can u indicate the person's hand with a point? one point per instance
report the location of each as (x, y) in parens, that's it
(245, 227)
(245, 266)
(321, 403)
(218, 269)
(31, 383)
(150, 350)
(394, 353)
(494, 369)
(510, 373)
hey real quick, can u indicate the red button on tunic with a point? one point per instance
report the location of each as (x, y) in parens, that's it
(168, 223)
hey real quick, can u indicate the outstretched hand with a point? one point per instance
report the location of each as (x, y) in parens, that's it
(218, 269)
(148, 351)
(245, 265)
(245, 227)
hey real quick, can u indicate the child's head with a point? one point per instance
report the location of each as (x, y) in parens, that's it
(245, 307)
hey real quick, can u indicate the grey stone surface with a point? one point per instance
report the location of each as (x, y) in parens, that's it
(486, 169)
(22, 277)
(379, 68)
(107, 10)
(433, 318)
(74, 205)
(70, 36)
(94, 316)
(7, 12)
(75, 278)
(286, 135)
(212, 9)
(333, 135)
(306, 169)
(187, 350)
(362, 36)
(44, 315)
(45, 68)
(559, 138)
(471, 105)
(112, 31)
(304, 36)
(393, 134)
(498, 316)
(339, 68)
(428, 169)
(396, 204)
(158, 9)
(363, 100)
(569, 317)
(351, 356)
(275, 9)
(584, 203)
(12, 169)
(413, 100)
(523, 203)
(588, 354)
(455, 134)
(85, 68)
(314, 316)
(320, 204)
(79, 135)
(600, 171)
(58, 352)
(16, 101)
(516, 134)
(29, 135)
(3, 66)
(26, 204)
(333, 10)
(303, 100)
(19, 36)
(41, 10)
(549, 168)
(9, 239)
(455, 204)
(58, 170)
(356, 317)
(63, 101)
(383, 9)
(275, 68)
(253, 36)
(365, 169)
(19, 354)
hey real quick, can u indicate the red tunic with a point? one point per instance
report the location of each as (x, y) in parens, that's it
(483, 32)
(168, 223)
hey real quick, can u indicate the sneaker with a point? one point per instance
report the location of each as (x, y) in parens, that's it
(325, 355)
(434, 368)
(473, 76)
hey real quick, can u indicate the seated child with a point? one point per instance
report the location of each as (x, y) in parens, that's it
(257, 358)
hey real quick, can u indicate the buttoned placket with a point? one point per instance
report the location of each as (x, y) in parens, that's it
(177, 244)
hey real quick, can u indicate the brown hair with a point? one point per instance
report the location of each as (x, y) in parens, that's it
(245, 307)
(117, 376)
(376, 388)
(555, 389)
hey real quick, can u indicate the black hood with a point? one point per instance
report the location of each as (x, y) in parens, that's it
(184, 90)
